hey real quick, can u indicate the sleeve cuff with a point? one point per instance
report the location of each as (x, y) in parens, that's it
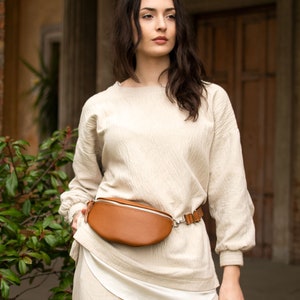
(231, 258)
(74, 209)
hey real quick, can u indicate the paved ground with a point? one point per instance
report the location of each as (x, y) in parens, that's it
(265, 280)
(261, 280)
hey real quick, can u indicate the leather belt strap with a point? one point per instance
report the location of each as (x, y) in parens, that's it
(194, 217)
(188, 219)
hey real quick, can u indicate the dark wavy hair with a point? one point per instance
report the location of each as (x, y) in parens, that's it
(185, 73)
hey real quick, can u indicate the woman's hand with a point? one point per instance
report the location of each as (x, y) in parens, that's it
(230, 288)
(74, 224)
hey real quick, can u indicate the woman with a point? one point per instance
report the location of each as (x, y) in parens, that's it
(162, 135)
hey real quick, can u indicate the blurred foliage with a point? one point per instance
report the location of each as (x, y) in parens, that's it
(46, 92)
(33, 235)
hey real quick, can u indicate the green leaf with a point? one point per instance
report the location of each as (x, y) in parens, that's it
(2, 146)
(18, 152)
(47, 221)
(31, 68)
(12, 184)
(35, 255)
(46, 258)
(26, 207)
(50, 192)
(61, 296)
(22, 267)
(34, 173)
(21, 143)
(10, 276)
(27, 260)
(11, 226)
(54, 182)
(33, 242)
(51, 240)
(55, 226)
(12, 253)
(62, 175)
(40, 187)
(3, 220)
(4, 206)
(69, 156)
(11, 212)
(47, 144)
(32, 234)
(4, 289)
(28, 157)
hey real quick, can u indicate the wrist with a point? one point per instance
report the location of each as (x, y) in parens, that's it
(231, 274)
(74, 210)
(231, 258)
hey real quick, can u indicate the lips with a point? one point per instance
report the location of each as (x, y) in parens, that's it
(160, 38)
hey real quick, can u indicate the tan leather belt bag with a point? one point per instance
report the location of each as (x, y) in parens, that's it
(134, 224)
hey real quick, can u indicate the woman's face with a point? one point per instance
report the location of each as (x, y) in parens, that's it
(158, 26)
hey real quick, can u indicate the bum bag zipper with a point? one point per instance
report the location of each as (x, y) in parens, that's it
(137, 208)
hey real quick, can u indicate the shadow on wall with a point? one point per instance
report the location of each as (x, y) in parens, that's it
(39, 289)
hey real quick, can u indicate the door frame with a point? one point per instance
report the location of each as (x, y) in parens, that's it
(282, 211)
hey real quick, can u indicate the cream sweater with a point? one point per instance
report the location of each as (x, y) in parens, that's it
(135, 144)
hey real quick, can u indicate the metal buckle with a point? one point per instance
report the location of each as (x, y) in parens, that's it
(176, 223)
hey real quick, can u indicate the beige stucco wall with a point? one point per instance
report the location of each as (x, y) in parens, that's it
(33, 16)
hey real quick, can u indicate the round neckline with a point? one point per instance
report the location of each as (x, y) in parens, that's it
(119, 84)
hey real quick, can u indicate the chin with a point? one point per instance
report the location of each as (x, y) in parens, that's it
(161, 53)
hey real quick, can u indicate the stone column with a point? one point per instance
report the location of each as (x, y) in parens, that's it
(282, 217)
(78, 59)
(11, 57)
(104, 58)
(2, 22)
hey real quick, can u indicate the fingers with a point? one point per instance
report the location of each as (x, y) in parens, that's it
(84, 212)
(75, 222)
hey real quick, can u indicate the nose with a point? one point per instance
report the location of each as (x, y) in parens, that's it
(161, 24)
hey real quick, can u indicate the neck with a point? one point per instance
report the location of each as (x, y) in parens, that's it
(149, 70)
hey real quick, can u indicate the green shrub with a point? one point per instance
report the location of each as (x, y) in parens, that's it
(32, 232)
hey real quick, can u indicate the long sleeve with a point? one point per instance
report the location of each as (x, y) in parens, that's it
(136, 144)
(229, 200)
(86, 166)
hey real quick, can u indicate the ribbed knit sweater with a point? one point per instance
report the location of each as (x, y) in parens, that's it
(134, 143)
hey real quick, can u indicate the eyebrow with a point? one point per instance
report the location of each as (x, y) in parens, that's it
(154, 9)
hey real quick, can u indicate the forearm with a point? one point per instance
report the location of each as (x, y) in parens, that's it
(230, 287)
(231, 274)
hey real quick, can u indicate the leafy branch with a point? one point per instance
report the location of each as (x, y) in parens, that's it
(32, 233)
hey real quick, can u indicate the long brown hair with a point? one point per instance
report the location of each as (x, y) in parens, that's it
(185, 73)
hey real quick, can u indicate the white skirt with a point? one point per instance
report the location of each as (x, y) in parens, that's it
(86, 286)
(95, 280)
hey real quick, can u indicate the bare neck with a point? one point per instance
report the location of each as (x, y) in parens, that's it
(150, 71)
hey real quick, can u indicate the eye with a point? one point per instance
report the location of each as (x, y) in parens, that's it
(171, 16)
(147, 16)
